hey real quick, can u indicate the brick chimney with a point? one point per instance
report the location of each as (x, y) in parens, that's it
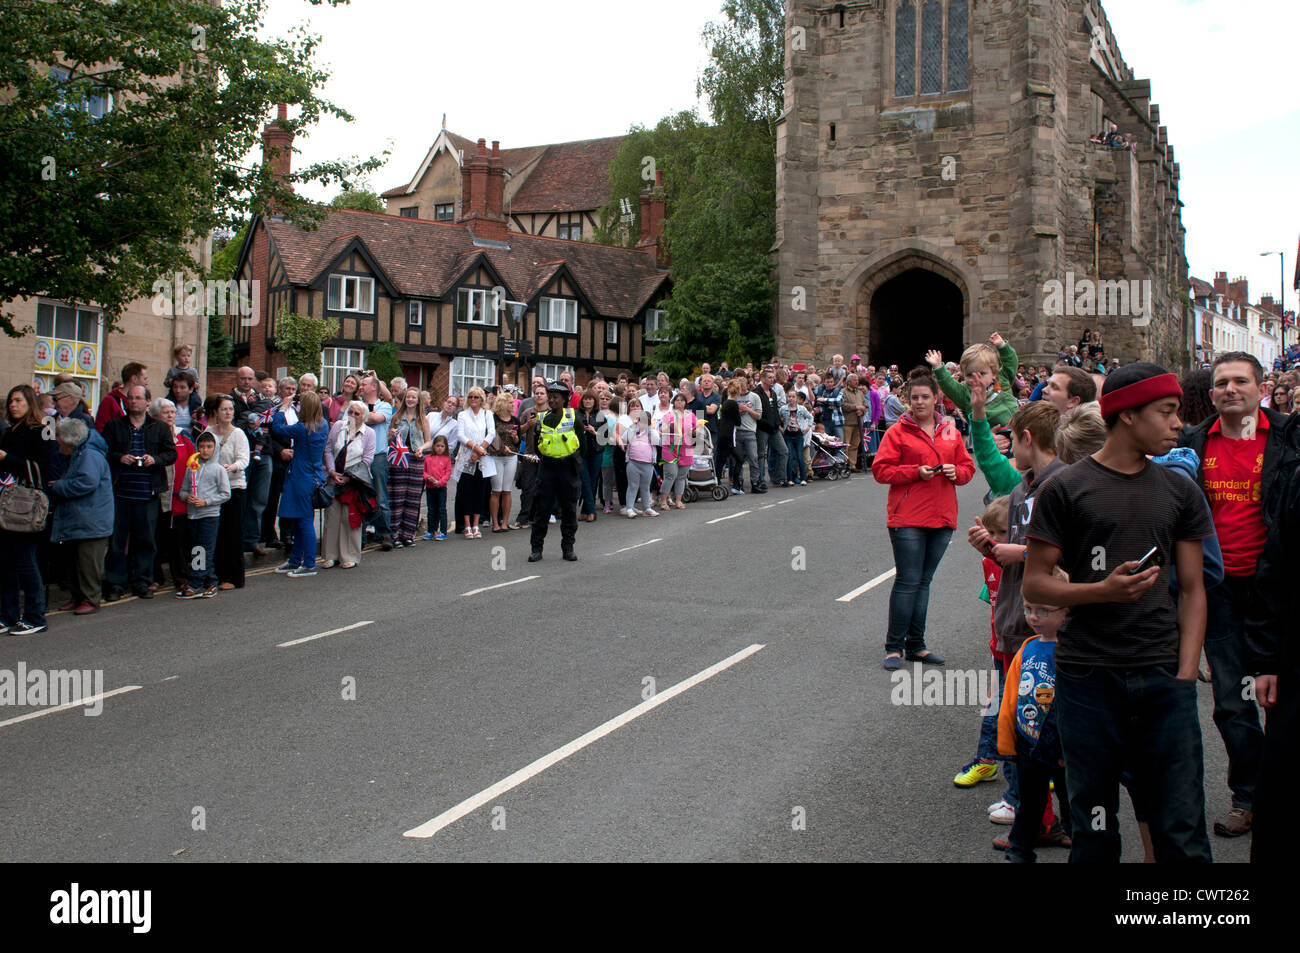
(1238, 293)
(652, 219)
(277, 148)
(482, 193)
(1269, 303)
(1221, 283)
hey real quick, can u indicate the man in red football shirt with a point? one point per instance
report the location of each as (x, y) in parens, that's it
(1239, 449)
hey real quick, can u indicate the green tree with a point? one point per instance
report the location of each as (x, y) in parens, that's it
(720, 189)
(360, 198)
(220, 351)
(129, 132)
(225, 253)
(382, 359)
(300, 337)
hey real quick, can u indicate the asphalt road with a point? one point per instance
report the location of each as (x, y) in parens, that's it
(233, 748)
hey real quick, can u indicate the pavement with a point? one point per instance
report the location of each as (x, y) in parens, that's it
(693, 688)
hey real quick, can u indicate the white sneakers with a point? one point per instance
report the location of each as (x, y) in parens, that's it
(1000, 812)
(650, 511)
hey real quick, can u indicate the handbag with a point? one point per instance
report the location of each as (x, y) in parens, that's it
(322, 496)
(23, 509)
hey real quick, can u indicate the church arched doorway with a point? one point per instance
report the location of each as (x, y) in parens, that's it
(908, 310)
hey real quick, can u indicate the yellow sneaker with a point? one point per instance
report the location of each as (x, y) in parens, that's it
(974, 773)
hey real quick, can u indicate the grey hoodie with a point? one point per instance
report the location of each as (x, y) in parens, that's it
(1009, 614)
(213, 489)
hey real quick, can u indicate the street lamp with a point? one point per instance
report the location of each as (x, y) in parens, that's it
(1281, 305)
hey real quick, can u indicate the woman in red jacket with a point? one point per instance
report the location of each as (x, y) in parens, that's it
(923, 459)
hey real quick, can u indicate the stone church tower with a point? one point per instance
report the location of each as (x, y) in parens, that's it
(937, 180)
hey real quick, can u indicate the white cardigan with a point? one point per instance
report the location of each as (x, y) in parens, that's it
(475, 428)
(233, 448)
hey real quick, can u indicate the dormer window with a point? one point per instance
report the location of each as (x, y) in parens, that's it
(558, 315)
(351, 293)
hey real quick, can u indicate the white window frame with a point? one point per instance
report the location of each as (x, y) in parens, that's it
(465, 298)
(611, 332)
(333, 371)
(467, 372)
(336, 295)
(415, 320)
(566, 322)
(656, 325)
(552, 372)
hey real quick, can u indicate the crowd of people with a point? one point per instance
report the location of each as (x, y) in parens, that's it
(1132, 522)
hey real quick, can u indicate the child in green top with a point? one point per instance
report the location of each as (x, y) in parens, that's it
(995, 364)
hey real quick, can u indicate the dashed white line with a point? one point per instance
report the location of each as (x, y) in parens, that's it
(93, 699)
(767, 506)
(500, 585)
(637, 546)
(170, 677)
(731, 517)
(850, 596)
(321, 635)
(468, 806)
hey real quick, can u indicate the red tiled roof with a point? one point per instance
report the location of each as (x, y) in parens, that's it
(1201, 289)
(569, 177)
(424, 259)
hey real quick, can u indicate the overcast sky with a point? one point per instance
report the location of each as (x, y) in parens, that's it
(526, 73)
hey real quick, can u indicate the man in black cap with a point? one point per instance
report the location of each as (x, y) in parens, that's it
(558, 475)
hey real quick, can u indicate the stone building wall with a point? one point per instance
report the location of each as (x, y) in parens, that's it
(995, 190)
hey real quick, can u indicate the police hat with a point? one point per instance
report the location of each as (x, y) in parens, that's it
(555, 387)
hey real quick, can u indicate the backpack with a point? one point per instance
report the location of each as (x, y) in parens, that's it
(23, 509)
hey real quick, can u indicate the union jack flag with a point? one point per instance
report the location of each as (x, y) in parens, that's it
(399, 454)
(7, 480)
(265, 416)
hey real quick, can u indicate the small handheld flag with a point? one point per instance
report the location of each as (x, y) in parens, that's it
(399, 454)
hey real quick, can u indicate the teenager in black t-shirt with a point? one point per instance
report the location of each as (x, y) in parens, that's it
(1127, 657)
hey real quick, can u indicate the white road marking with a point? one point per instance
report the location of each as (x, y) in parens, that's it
(93, 699)
(767, 506)
(446, 818)
(321, 635)
(850, 596)
(721, 518)
(637, 546)
(170, 677)
(779, 502)
(500, 585)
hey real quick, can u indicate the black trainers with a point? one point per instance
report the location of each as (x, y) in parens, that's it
(26, 628)
(570, 556)
(112, 595)
(535, 556)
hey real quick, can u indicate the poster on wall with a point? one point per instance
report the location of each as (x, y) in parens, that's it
(44, 354)
(65, 355)
(88, 360)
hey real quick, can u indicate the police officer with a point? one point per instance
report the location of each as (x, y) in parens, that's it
(558, 479)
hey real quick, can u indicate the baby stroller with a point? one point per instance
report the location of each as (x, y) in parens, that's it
(829, 461)
(701, 477)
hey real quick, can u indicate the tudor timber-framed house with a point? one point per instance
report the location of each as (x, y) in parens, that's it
(553, 190)
(428, 286)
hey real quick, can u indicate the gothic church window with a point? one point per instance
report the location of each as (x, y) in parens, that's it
(935, 59)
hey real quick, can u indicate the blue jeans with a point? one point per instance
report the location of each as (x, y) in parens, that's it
(19, 573)
(304, 542)
(776, 460)
(1143, 721)
(988, 745)
(1236, 717)
(917, 551)
(134, 523)
(833, 429)
(204, 533)
(590, 480)
(794, 465)
(379, 472)
(258, 475)
(435, 520)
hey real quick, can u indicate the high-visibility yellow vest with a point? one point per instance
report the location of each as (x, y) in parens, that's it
(560, 441)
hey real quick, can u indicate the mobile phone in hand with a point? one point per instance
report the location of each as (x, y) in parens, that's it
(1149, 559)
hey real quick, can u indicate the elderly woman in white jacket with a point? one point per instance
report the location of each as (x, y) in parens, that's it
(474, 469)
(349, 448)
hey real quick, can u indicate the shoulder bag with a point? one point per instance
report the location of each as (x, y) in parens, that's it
(23, 509)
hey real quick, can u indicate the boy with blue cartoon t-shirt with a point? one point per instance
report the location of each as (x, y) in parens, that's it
(1027, 730)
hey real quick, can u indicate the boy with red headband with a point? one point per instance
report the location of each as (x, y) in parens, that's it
(1127, 657)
